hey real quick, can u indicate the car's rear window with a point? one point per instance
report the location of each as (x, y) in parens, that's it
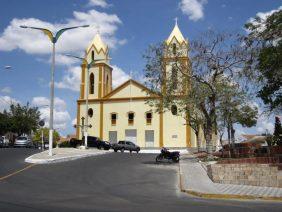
(121, 142)
(22, 138)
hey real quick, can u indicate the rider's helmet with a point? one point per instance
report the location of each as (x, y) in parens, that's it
(163, 150)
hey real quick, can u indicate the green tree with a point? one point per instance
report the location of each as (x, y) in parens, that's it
(277, 134)
(265, 38)
(5, 122)
(213, 55)
(233, 108)
(23, 119)
(38, 133)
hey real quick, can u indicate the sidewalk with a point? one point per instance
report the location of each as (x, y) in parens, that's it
(156, 151)
(63, 154)
(194, 180)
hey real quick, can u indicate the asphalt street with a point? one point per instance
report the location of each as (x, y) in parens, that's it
(111, 182)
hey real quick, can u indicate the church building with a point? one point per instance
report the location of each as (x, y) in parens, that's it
(122, 113)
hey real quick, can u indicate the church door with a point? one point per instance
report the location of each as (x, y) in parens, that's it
(149, 138)
(113, 136)
(130, 135)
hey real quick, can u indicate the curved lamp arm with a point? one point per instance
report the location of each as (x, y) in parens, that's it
(50, 35)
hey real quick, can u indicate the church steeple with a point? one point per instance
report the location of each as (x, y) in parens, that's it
(100, 72)
(98, 45)
(176, 34)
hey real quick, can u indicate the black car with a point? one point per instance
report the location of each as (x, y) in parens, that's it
(93, 141)
(1, 142)
(126, 145)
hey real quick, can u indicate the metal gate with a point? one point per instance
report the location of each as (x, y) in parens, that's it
(149, 138)
(113, 136)
(130, 135)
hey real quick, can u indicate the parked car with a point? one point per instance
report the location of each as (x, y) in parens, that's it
(23, 141)
(93, 141)
(125, 145)
(4, 142)
(1, 142)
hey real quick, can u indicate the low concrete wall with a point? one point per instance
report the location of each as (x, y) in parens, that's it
(246, 174)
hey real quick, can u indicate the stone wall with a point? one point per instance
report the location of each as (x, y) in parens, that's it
(246, 174)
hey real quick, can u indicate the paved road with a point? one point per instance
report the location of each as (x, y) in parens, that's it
(12, 159)
(112, 182)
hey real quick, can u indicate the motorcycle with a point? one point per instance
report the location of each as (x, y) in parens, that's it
(165, 154)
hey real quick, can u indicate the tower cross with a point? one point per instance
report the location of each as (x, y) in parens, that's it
(176, 20)
(98, 29)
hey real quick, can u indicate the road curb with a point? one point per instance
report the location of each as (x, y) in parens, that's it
(61, 159)
(221, 196)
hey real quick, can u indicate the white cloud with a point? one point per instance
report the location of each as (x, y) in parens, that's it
(119, 76)
(6, 101)
(71, 80)
(99, 3)
(265, 126)
(41, 101)
(65, 60)
(263, 16)
(76, 40)
(74, 121)
(61, 115)
(6, 90)
(194, 9)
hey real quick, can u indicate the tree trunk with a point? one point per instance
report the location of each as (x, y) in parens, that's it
(198, 140)
(229, 139)
(232, 130)
(221, 143)
(208, 136)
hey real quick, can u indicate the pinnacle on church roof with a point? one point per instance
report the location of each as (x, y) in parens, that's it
(98, 43)
(176, 33)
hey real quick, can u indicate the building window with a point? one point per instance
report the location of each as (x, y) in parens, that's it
(92, 55)
(174, 48)
(90, 112)
(113, 118)
(148, 118)
(91, 85)
(174, 110)
(130, 118)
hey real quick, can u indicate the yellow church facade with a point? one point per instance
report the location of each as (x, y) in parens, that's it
(122, 113)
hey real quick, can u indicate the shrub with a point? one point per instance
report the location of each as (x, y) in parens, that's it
(64, 144)
(75, 142)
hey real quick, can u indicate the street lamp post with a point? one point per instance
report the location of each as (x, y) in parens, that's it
(54, 40)
(88, 66)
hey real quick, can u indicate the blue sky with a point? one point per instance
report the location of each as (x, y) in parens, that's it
(127, 26)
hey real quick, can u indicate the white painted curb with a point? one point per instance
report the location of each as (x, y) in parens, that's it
(61, 159)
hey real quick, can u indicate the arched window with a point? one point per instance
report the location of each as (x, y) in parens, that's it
(174, 78)
(148, 118)
(92, 55)
(91, 85)
(174, 110)
(174, 48)
(114, 118)
(130, 118)
(90, 112)
(107, 84)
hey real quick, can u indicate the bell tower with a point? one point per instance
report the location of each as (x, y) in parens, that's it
(100, 73)
(176, 54)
